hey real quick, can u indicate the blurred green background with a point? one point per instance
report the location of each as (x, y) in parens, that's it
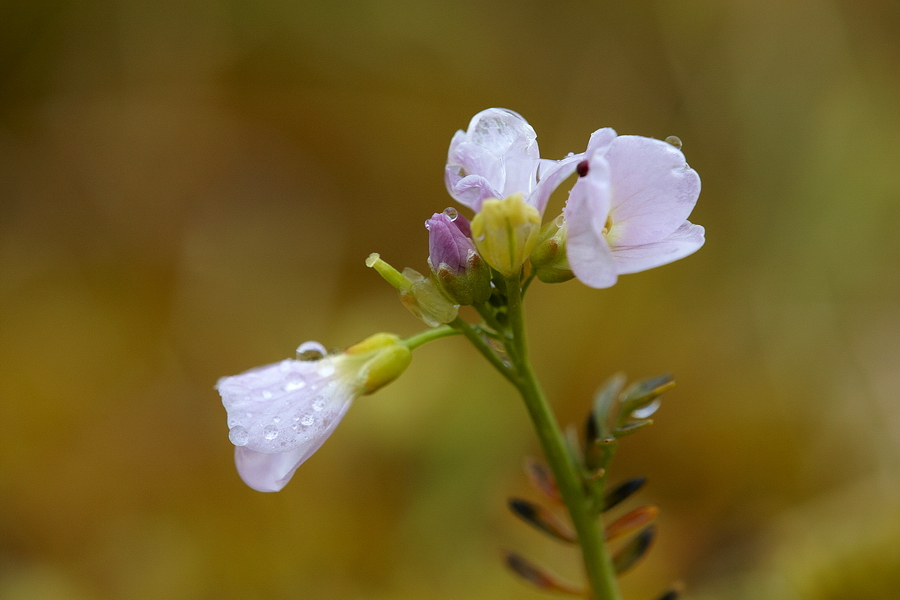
(189, 189)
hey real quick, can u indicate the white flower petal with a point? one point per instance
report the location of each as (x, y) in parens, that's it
(685, 240)
(553, 173)
(497, 156)
(586, 212)
(271, 472)
(653, 190)
(281, 407)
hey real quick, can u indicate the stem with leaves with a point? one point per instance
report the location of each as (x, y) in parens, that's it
(571, 480)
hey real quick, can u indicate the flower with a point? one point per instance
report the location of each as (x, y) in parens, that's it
(280, 414)
(627, 212)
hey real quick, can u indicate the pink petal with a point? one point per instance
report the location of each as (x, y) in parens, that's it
(653, 190)
(553, 173)
(685, 240)
(600, 141)
(586, 212)
(495, 157)
(271, 472)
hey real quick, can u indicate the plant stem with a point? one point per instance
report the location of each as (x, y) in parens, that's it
(567, 472)
(429, 335)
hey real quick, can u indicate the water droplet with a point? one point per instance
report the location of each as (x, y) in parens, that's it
(643, 413)
(293, 386)
(311, 351)
(232, 422)
(238, 436)
(271, 432)
(307, 420)
(267, 394)
(451, 212)
(675, 141)
(295, 427)
(276, 419)
(319, 404)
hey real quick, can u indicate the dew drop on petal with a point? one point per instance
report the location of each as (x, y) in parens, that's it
(675, 141)
(292, 386)
(238, 436)
(451, 212)
(318, 405)
(271, 432)
(311, 351)
(276, 420)
(307, 420)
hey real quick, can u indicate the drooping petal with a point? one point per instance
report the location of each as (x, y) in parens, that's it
(271, 472)
(685, 240)
(653, 190)
(495, 157)
(586, 214)
(278, 407)
(280, 414)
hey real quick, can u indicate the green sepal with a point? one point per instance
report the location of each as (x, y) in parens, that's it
(641, 394)
(602, 413)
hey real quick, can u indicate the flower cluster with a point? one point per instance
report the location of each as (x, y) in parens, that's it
(626, 212)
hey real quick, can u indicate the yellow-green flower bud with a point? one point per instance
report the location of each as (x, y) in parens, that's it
(505, 232)
(549, 255)
(387, 357)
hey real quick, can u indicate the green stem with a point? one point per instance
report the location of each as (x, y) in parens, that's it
(484, 348)
(567, 472)
(429, 335)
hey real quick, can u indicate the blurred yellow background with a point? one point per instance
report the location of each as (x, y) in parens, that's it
(190, 189)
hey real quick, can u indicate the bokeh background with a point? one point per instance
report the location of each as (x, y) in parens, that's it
(190, 188)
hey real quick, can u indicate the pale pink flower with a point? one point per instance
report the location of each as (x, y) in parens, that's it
(627, 212)
(280, 414)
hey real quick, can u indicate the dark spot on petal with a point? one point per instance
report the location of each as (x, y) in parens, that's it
(582, 168)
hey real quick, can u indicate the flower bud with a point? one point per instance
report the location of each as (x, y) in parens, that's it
(549, 255)
(417, 293)
(505, 232)
(460, 271)
(387, 359)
